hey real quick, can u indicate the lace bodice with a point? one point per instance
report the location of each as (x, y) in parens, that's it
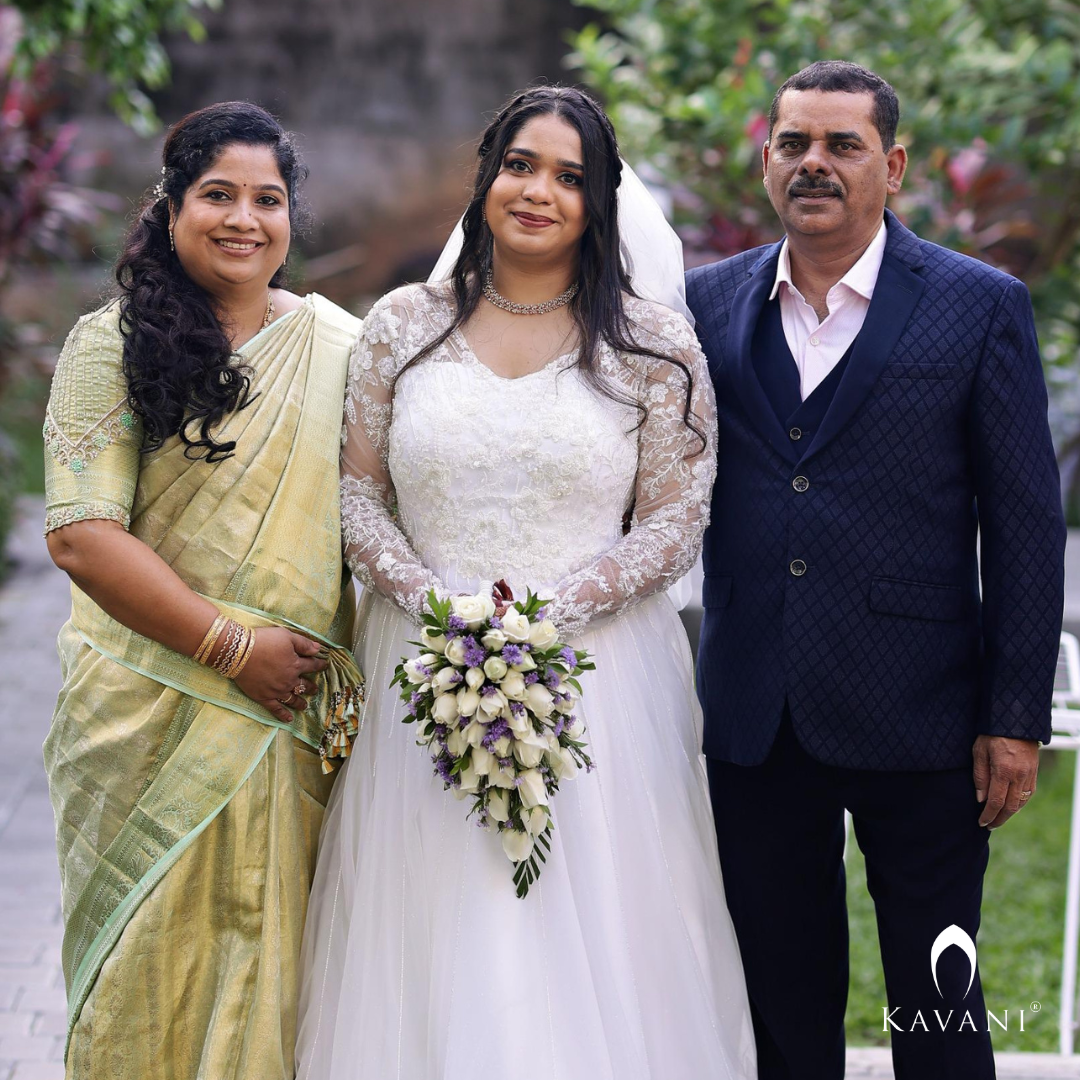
(467, 477)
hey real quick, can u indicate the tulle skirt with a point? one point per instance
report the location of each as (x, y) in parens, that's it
(420, 963)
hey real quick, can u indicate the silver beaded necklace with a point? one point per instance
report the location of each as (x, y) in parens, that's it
(500, 301)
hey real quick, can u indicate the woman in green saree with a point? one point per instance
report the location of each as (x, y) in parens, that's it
(192, 445)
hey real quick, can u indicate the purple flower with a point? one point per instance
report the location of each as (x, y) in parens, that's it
(569, 656)
(512, 654)
(517, 708)
(531, 678)
(456, 622)
(475, 654)
(541, 614)
(414, 697)
(496, 622)
(551, 678)
(559, 726)
(443, 764)
(487, 690)
(412, 708)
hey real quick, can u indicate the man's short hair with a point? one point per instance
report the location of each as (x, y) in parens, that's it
(840, 76)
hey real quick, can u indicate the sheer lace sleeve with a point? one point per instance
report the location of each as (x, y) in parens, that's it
(375, 548)
(673, 489)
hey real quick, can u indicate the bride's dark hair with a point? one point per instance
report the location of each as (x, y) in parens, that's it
(181, 371)
(597, 309)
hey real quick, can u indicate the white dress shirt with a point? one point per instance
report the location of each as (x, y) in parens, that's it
(818, 347)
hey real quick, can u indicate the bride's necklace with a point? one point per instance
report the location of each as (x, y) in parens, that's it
(500, 301)
(268, 318)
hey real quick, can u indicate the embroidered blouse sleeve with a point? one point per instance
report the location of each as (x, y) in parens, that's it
(672, 494)
(92, 437)
(376, 549)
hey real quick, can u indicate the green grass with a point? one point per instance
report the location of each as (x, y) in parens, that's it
(22, 412)
(1020, 940)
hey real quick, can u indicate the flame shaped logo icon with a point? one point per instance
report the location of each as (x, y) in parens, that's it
(953, 935)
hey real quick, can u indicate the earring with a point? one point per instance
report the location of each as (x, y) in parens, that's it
(172, 241)
(483, 214)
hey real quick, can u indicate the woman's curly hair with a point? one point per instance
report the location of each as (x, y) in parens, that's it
(182, 373)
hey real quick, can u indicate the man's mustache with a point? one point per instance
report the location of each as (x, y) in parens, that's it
(803, 187)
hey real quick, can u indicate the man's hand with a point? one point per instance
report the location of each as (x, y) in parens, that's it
(1005, 773)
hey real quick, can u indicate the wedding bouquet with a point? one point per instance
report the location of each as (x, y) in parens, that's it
(493, 694)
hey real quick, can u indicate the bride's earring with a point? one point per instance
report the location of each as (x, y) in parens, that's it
(172, 241)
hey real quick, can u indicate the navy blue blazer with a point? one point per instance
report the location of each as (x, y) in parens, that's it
(841, 571)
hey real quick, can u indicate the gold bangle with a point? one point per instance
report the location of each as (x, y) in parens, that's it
(241, 663)
(234, 637)
(238, 655)
(202, 653)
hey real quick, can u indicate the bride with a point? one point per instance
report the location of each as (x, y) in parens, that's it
(535, 419)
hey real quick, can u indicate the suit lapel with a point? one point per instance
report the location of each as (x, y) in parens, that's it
(896, 293)
(750, 298)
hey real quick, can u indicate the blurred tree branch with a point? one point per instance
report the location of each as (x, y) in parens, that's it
(990, 99)
(120, 39)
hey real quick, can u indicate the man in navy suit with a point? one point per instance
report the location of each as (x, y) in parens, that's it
(882, 407)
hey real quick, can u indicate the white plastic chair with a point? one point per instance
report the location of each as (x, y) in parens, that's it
(1066, 736)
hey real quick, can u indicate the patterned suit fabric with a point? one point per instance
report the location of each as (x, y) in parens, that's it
(841, 572)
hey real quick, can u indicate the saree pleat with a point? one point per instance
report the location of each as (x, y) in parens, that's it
(187, 815)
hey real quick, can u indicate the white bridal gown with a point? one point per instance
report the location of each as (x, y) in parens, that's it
(420, 963)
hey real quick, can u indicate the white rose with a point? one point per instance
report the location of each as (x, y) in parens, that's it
(474, 733)
(468, 701)
(535, 820)
(513, 685)
(494, 668)
(515, 625)
(493, 640)
(543, 634)
(498, 805)
(470, 779)
(482, 762)
(554, 763)
(475, 678)
(445, 709)
(500, 777)
(519, 722)
(445, 679)
(527, 663)
(433, 640)
(412, 667)
(576, 729)
(456, 743)
(501, 746)
(493, 704)
(566, 705)
(475, 610)
(532, 790)
(517, 845)
(455, 652)
(569, 763)
(538, 698)
(530, 750)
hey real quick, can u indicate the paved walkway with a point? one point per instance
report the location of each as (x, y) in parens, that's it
(34, 602)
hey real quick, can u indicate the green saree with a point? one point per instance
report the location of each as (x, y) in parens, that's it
(187, 816)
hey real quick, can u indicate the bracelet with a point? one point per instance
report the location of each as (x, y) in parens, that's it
(245, 656)
(235, 640)
(202, 653)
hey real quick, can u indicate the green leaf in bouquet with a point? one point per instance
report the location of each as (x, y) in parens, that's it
(575, 684)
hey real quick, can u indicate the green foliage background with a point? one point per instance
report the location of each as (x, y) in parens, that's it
(120, 39)
(990, 99)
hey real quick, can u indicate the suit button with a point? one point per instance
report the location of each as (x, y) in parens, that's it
(795, 434)
(800, 483)
(797, 568)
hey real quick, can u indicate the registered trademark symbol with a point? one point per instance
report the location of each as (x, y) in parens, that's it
(1036, 1006)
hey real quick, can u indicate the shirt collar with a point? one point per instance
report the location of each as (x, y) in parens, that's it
(861, 278)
